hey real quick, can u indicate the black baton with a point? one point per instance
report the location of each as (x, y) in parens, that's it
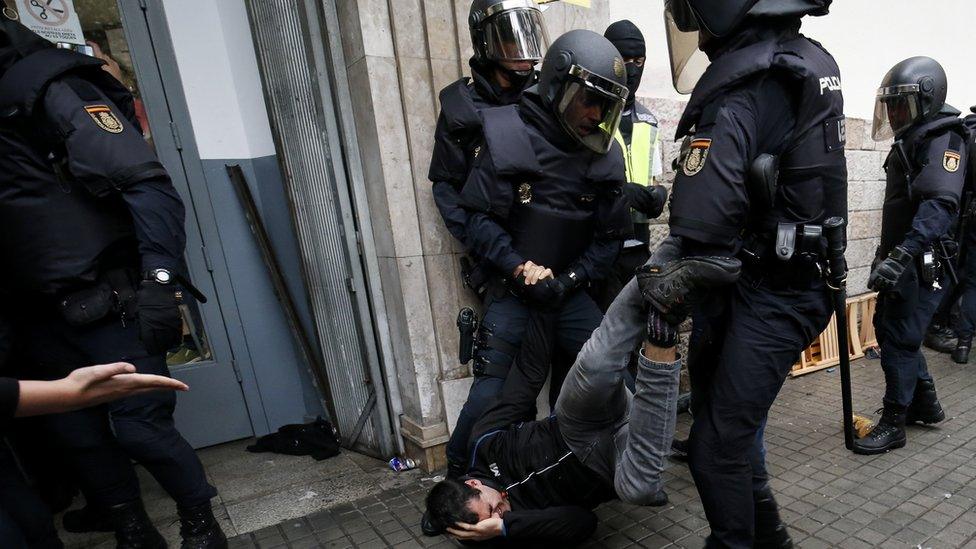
(833, 230)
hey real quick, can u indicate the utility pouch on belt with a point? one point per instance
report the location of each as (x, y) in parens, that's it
(798, 239)
(89, 305)
(114, 293)
(467, 323)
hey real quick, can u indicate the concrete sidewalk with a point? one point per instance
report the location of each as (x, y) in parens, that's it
(921, 496)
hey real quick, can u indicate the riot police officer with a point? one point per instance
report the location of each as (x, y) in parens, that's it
(508, 38)
(762, 95)
(91, 230)
(925, 176)
(638, 138)
(545, 209)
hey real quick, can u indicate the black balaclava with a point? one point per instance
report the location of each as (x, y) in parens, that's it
(629, 41)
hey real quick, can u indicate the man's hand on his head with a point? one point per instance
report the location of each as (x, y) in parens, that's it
(487, 529)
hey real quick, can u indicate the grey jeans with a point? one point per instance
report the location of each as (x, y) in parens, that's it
(624, 438)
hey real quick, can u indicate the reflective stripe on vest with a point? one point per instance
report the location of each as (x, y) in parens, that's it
(639, 155)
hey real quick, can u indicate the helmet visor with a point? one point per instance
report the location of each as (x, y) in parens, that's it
(688, 63)
(589, 108)
(516, 35)
(895, 109)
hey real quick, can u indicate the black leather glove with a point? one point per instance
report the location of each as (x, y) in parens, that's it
(648, 200)
(548, 293)
(886, 273)
(160, 323)
(660, 331)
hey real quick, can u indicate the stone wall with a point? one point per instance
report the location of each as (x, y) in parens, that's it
(399, 54)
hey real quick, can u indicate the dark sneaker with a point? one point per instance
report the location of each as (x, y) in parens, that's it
(427, 527)
(679, 450)
(199, 529)
(925, 406)
(673, 287)
(940, 338)
(888, 434)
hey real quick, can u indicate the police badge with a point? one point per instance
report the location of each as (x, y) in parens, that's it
(525, 193)
(950, 161)
(697, 154)
(104, 118)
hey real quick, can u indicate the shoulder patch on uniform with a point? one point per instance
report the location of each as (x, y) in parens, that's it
(950, 161)
(104, 118)
(697, 154)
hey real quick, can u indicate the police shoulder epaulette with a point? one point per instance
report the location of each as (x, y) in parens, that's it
(457, 106)
(508, 141)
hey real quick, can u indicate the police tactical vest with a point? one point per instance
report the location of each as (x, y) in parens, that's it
(558, 193)
(812, 184)
(902, 195)
(54, 233)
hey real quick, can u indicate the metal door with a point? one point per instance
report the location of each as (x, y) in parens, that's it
(214, 410)
(298, 65)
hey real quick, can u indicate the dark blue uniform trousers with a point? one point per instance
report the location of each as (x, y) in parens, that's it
(507, 318)
(900, 321)
(744, 342)
(143, 424)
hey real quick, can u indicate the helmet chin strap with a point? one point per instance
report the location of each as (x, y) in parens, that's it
(516, 79)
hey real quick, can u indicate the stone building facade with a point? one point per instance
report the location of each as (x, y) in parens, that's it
(398, 55)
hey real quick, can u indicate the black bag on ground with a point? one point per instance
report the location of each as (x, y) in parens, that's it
(317, 439)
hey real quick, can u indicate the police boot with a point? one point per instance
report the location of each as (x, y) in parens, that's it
(960, 355)
(940, 338)
(771, 533)
(133, 529)
(199, 529)
(888, 434)
(925, 406)
(673, 286)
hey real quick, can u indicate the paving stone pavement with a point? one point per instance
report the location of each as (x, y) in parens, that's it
(921, 496)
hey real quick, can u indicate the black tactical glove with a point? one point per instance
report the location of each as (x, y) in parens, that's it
(648, 200)
(886, 273)
(674, 286)
(160, 323)
(548, 293)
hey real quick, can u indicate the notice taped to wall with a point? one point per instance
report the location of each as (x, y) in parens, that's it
(55, 20)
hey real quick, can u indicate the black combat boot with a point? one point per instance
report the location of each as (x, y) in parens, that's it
(673, 286)
(771, 533)
(888, 434)
(199, 529)
(133, 529)
(925, 406)
(960, 355)
(940, 338)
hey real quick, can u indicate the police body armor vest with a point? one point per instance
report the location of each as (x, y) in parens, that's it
(812, 183)
(902, 197)
(459, 107)
(54, 233)
(557, 193)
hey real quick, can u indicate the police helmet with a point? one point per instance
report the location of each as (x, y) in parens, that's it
(584, 83)
(685, 20)
(507, 30)
(913, 90)
(16, 40)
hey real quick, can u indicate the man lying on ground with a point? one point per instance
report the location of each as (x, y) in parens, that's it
(539, 481)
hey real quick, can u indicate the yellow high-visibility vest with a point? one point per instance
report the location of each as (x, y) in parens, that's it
(639, 156)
